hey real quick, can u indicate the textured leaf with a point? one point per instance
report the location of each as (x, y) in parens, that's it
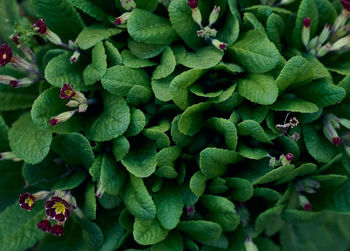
(255, 52)
(95, 71)
(121, 147)
(90, 9)
(252, 128)
(166, 66)
(113, 56)
(148, 232)
(294, 105)
(130, 60)
(242, 189)
(203, 58)
(201, 230)
(24, 133)
(227, 128)
(137, 123)
(70, 182)
(112, 176)
(191, 121)
(198, 183)
(12, 100)
(90, 202)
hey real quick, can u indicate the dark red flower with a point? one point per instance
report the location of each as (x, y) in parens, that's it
(222, 46)
(57, 229)
(307, 207)
(336, 141)
(193, 3)
(41, 26)
(44, 225)
(67, 91)
(14, 83)
(307, 22)
(5, 54)
(15, 38)
(346, 4)
(118, 21)
(290, 156)
(26, 201)
(53, 121)
(57, 208)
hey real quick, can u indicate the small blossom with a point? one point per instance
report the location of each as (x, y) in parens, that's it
(57, 208)
(289, 156)
(40, 26)
(307, 22)
(346, 4)
(57, 229)
(218, 44)
(336, 141)
(295, 136)
(62, 117)
(26, 201)
(193, 3)
(304, 202)
(122, 19)
(75, 57)
(45, 226)
(15, 38)
(66, 91)
(293, 122)
(5, 54)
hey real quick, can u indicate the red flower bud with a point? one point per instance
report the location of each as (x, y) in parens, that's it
(14, 83)
(40, 26)
(290, 156)
(307, 22)
(308, 207)
(57, 208)
(44, 225)
(26, 201)
(222, 46)
(5, 54)
(336, 141)
(53, 121)
(346, 4)
(66, 91)
(193, 3)
(57, 229)
(15, 38)
(118, 21)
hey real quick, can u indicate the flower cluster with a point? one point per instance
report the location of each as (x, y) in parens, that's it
(334, 38)
(77, 100)
(56, 208)
(308, 186)
(207, 32)
(128, 5)
(282, 161)
(286, 126)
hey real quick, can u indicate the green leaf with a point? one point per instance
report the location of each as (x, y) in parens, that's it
(137, 123)
(292, 104)
(191, 121)
(90, 9)
(113, 56)
(294, 215)
(218, 158)
(4, 129)
(148, 232)
(48, 105)
(112, 122)
(11, 99)
(161, 88)
(143, 50)
(274, 175)
(119, 80)
(113, 239)
(18, 229)
(59, 71)
(198, 183)
(139, 95)
(141, 161)
(70, 182)
(321, 93)
(137, 199)
(166, 66)
(318, 147)
(275, 29)
(227, 128)
(201, 230)
(121, 147)
(130, 60)
(252, 153)
(255, 52)
(158, 134)
(230, 31)
(24, 133)
(173, 242)
(242, 189)
(74, 149)
(95, 71)
(307, 8)
(169, 204)
(269, 220)
(112, 176)
(108, 201)
(91, 35)
(251, 21)
(252, 128)
(221, 211)
(204, 58)
(178, 137)
(60, 17)
(89, 207)
(297, 72)
(257, 88)
(146, 27)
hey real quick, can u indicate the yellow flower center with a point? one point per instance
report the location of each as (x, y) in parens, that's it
(4, 56)
(68, 92)
(60, 207)
(29, 201)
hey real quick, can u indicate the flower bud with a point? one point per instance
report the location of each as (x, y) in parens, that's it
(249, 245)
(57, 229)
(15, 38)
(323, 50)
(325, 34)
(75, 57)
(44, 226)
(8, 156)
(345, 123)
(73, 103)
(197, 16)
(341, 43)
(193, 3)
(83, 108)
(190, 210)
(305, 34)
(289, 156)
(122, 19)
(40, 26)
(346, 4)
(218, 44)
(330, 132)
(214, 15)
(5, 55)
(128, 4)
(53, 38)
(304, 202)
(62, 117)
(340, 21)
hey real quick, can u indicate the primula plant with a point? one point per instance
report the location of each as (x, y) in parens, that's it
(175, 125)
